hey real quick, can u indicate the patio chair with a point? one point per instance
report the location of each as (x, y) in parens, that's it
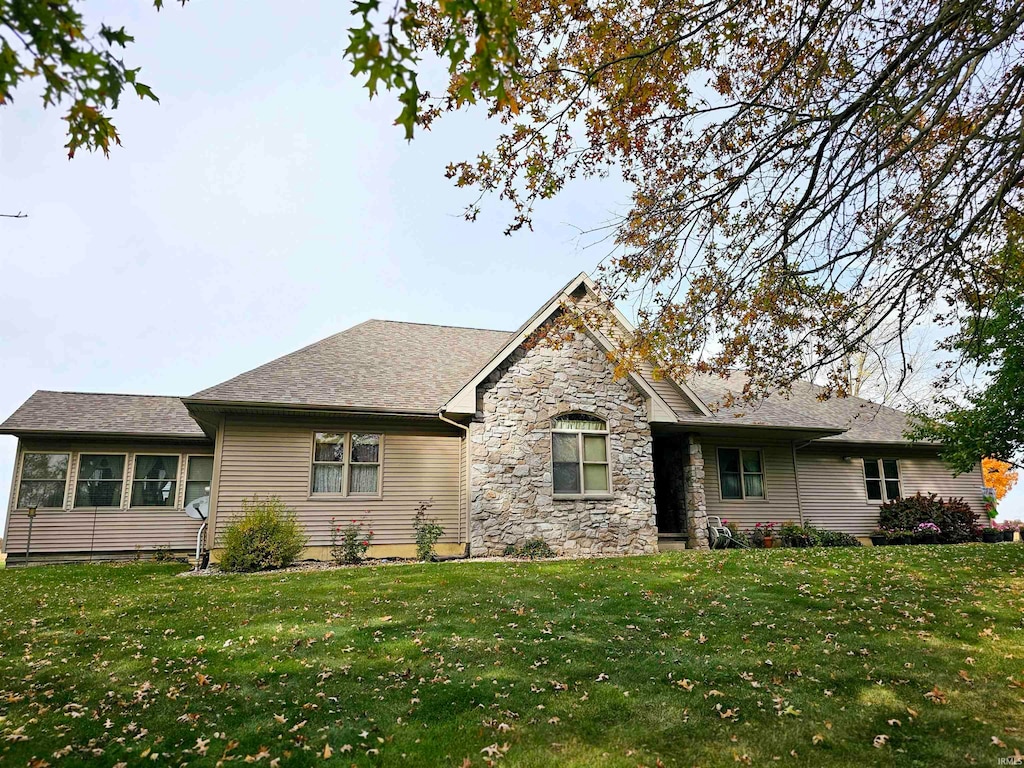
(720, 537)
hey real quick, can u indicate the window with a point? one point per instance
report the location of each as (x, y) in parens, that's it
(740, 473)
(579, 455)
(198, 478)
(43, 479)
(346, 464)
(882, 476)
(155, 482)
(100, 480)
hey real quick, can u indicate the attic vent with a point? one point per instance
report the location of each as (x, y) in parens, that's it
(579, 293)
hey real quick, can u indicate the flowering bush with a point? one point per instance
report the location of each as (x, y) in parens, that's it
(1011, 525)
(349, 542)
(954, 517)
(428, 531)
(927, 529)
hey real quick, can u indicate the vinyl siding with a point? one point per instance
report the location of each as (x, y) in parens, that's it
(834, 495)
(668, 391)
(420, 462)
(780, 503)
(102, 531)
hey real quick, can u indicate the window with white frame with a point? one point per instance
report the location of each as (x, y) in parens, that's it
(882, 479)
(579, 455)
(155, 482)
(100, 480)
(346, 464)
(44, 478)
(741, 473)
(198, 478)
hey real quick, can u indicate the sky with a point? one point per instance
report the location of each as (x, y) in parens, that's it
(263, 204)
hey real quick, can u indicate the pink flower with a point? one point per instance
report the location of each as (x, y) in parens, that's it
(366, 543)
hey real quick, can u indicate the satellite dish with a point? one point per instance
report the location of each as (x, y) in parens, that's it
(198, 509)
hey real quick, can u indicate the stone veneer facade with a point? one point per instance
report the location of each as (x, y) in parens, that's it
(511, 499)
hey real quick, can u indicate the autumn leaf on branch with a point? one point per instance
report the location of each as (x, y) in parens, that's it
(808, 179)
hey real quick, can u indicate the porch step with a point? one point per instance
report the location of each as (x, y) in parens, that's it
(672, 542)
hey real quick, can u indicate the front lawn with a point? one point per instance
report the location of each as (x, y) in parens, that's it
(907, 655)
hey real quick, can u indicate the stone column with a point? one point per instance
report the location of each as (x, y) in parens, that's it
(696, 504)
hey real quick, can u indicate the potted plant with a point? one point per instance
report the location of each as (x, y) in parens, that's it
(1008, 530)
(991, 535)
(879, 537)
(927, 533)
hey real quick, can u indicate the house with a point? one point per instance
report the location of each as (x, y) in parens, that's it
(508, 436)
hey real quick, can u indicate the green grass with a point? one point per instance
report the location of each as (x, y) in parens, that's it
(792, 657)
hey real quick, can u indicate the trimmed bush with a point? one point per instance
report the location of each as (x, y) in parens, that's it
(954, 517)
(791, 534)
(532, 549)
(266, 536)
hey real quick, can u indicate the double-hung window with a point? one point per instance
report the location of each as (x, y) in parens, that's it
(346, 464)
(100, 480)
(741, 473)
(44, 477)
(579, 455)
(882, 479)
(198, 478)
(155, 482)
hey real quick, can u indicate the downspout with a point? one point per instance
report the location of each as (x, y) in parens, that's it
(468, 485)
(796, 478)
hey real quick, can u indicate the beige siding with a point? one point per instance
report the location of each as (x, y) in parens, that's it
(121, 530)
(833, 492)
(420, 462)
(667, 390)
(780, 503)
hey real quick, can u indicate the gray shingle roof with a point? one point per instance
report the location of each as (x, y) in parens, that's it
(376, 366)
(864, 420)
(94, 413)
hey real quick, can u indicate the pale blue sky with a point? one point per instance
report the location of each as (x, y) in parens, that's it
(262, 205)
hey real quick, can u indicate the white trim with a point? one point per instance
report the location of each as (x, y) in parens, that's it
(684, 390)
(881, 479)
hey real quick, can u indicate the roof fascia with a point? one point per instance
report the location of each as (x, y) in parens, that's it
(464, 401)
(684, 390)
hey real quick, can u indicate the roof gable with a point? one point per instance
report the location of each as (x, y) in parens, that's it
(464, 401)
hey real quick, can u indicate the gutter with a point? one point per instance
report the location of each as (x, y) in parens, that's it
(468, 485)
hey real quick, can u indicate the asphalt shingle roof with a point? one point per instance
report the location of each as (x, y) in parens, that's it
(864, 420)
(94, 413)
(377, 365)
(412, 368)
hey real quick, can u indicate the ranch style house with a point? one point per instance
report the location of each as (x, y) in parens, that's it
(508, 435)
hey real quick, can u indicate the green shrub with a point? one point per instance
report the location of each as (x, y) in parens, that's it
(828, 538)
(266, 536)
(533, 549)
(954, 517)
(794, 535)
(428, 531)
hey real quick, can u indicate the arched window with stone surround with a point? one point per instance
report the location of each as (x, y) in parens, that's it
(579, 455)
